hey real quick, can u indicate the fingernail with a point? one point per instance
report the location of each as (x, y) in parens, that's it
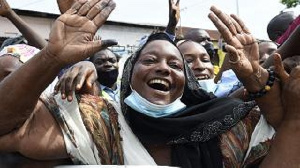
(70, 98)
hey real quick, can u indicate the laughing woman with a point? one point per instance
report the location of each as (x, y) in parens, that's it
(168, 119)
(177, 123)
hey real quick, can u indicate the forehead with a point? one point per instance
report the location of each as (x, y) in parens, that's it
(191, 46)
(267, 45)
(103, 54)
(161, 48)
(197, 35)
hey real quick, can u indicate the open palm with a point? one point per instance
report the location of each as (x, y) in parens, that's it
(71, 38)
(242, 46)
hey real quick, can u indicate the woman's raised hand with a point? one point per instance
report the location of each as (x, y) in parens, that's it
(242, 49)
(71, 38)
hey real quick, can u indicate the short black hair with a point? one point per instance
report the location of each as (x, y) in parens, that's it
(279, 24)
(92, 58)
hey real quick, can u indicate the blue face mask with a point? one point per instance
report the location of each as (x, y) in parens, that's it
(208, 85)
(140, 104)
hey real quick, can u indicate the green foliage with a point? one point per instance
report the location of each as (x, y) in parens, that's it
(290, 3)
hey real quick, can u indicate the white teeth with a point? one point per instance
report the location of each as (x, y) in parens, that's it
(202, 77)
(160, 82)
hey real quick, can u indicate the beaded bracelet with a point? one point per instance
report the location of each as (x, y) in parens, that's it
(264, 90)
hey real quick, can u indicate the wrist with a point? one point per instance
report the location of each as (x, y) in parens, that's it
(254, 94)
(50, 58)
(257, 81)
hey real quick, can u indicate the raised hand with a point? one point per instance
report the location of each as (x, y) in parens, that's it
(4, 8)
(174, 16)
(242, 49)
(174, 12)
(80, 77)
(71, 38)
(290, 87)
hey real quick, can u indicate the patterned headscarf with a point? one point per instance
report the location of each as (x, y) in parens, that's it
(21, 51)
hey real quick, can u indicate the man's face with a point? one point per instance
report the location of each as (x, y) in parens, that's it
(265, 50)
(199, 36)
(105, 61)
(158, 74)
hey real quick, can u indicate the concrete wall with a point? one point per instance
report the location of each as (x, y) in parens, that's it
(126, 35)
(40, 25)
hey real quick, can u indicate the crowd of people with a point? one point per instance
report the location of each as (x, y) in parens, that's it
(179, 102)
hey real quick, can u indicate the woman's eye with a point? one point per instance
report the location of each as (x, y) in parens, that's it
(206, 59)
(189, 60)
(175, 66)
(148, 61)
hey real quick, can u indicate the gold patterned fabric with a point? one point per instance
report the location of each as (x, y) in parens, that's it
(101, 121)
(235, 143)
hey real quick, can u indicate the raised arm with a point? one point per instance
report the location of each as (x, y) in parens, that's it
(174, 16)
(285, 149)
(30, 35)
(244, 60)
(70, 41)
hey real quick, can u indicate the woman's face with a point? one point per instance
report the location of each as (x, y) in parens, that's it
(197, 59)
(158, 74)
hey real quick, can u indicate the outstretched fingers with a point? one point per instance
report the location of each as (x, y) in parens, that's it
(98, 7)
(84, 9)
(75, 7)
(222, 28)
(102, 15)
(225, 19)
(241, 24)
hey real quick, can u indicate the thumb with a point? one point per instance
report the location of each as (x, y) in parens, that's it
(95, 46)
(234, 57)
(108, 43)
(279, 68)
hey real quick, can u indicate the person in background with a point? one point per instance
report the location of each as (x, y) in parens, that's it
(279, 24)
(107, 68)
(202, 37)
(33, 38)
(266, 48)
(289, 31)
(106, 64)
(200, 63)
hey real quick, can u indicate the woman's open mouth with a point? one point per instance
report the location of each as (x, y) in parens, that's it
(202, 77)
(159, 84)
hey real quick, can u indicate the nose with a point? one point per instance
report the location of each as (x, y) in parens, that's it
(198, 65)
(107, 64)
(163, 68)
